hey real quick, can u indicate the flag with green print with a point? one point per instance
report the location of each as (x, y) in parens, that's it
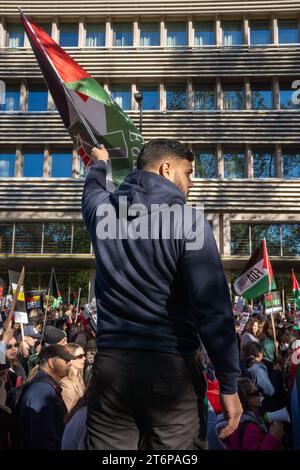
(296, 291)
(257, 276)
(86, 109)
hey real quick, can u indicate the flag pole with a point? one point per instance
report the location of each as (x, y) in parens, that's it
(14, 300)
(77, 307)
(45, 315)
(67, 91)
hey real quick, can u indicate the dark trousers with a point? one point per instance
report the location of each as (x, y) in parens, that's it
(144, 400)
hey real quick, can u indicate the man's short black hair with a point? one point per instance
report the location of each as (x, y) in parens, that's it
(157, 149)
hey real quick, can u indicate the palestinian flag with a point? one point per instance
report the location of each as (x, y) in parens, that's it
(296, 291)
(257, 276)
(88, 112)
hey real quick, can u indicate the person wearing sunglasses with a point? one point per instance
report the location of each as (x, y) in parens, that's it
(73, 386)
(252, 433)
(16, 373)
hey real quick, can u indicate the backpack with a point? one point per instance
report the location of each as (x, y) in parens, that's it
(13, 402)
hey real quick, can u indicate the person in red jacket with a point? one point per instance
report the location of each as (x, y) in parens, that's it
(252, 433)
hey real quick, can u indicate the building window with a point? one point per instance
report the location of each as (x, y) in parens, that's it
(121, 94)
(33, 164)
(176, 96)
(288, 32)
(234, 164)
(6, 235)
(150, 96)
(150, 34)
(15, 33)
(62, 164)
(7, 164)
(47, 27)
(291, 164)
(205, 33)
(272, 235)
(68, 35)
(260, 32)
(239, 239)
(95, 35)
(233, 97)
(291, 239)
(123, 34)
(37, 98)
(261, 96)
(176, 34)
(204, 97)
(205, 163)
(286, 97)
(263, 164)
(12, 98)
(57, 237)
(28, 238)
(81, 240)
(232, 33)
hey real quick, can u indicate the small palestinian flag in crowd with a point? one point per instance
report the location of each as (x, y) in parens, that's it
(53, 290)
(257, 276)
(87, 110)
(296, 291)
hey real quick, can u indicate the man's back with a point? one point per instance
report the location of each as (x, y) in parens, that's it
(40, 420)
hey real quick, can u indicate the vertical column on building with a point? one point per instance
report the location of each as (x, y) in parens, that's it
(2, 32)
(162, 29)
(276, 93)
(278, 161)
(216, 229)
(47, 166)
(92, 276)
(226, 235)
(19, 161)
(274, 28)
(191, 32)
(134, 104)
(162, 97)
(249, 162)
(81, 33)
(190, 94)
(219, 94)
(220, 162)
(136, 33)
(108, 33)
(246, 35)
(55, 30)
(218, 31)
(75, 163)
(23, 95)
(247, 89)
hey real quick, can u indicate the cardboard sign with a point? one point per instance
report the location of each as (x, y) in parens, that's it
(244, 319)
(272, 302)
(21, 317)
(90, 313)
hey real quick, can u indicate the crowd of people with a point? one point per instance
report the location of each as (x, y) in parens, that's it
(269, 352)
(45, 378)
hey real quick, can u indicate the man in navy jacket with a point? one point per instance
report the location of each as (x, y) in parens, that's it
(157, 297)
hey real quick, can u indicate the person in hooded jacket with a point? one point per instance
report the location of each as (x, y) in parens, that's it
(160, 287)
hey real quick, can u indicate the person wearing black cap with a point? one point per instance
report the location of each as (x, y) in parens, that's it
(41, 410)
(54, 335)
(28, 355)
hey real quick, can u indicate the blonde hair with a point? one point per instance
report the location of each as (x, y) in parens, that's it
(76, 378)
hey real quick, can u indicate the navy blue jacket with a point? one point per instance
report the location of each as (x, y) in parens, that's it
(154, 294)
(41, 415)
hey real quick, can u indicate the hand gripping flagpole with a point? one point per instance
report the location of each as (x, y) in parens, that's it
(67, 91)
